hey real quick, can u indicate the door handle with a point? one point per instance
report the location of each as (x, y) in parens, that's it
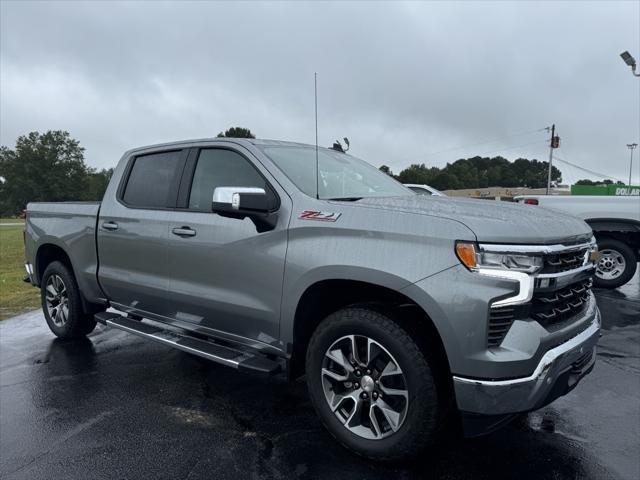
(110, 225)
(184, 232)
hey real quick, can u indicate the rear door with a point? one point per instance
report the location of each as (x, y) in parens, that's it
(225, 275)
(133, 230)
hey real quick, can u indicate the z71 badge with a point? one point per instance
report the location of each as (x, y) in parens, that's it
(320, 216)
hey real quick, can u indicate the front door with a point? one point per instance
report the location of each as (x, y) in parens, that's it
(226, 276)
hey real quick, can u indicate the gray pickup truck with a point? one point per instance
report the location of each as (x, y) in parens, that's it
(407, 313)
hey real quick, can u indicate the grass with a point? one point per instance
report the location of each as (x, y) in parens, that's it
(15, 295)
(11, 220)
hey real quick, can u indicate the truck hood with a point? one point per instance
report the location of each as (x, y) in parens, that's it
(490, 220)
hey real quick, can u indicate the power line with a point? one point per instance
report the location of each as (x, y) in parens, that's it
(511, 148)
(528, 132)
(597, 174)
(486, 141)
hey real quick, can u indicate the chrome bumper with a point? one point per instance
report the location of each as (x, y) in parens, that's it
(558, 371)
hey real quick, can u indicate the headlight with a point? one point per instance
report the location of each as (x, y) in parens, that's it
(474, 259)
(519, 263)
(509, 266)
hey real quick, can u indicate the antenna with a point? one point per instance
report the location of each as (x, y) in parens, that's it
(315, 88)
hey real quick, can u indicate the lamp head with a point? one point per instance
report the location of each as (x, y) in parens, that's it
(628, 59)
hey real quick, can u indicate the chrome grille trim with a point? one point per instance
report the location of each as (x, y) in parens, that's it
(535, 249)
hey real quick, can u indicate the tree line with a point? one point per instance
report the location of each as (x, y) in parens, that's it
(479, 172)
(586, 181)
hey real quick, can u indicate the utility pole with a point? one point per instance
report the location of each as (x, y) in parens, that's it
(631, 146)
(553, 143)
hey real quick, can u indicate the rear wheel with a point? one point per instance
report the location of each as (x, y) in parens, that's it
(617, 264)
(371, 385)
(61, 303)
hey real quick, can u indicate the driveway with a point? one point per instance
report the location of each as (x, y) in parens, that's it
(115, 406)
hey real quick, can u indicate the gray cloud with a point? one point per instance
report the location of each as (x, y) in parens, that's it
(405, 82)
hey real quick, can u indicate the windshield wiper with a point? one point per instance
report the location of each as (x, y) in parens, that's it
(346, 199)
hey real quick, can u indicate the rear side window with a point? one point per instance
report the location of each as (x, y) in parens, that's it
(151, 179)
(221, 168)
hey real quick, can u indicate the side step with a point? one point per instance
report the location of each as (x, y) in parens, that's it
(216, 353)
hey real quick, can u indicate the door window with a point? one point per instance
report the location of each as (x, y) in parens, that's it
(151, 180)
(221, 168)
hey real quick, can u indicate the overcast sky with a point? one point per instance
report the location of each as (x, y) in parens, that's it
(407, 83)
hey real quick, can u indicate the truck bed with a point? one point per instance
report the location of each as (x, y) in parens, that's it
(72, 227)
(591, 207)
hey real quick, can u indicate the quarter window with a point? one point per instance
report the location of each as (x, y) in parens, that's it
(221, 168)
(151, 180)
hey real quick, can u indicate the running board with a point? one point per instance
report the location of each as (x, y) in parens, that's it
(216, 353)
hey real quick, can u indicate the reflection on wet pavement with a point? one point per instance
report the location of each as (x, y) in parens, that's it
(115, 406)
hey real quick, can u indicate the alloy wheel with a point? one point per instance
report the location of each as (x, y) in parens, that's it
(57, 300)
(365, 387)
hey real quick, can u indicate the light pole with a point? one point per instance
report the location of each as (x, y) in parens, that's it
(629, 60)
(631, 146)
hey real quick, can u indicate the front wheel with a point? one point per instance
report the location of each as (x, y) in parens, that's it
(371, 385)
(617, 264)
(61, 303)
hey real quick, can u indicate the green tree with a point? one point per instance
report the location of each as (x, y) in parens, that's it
(418, 173)
(445, 181)
(237, 132)
(481, 172)
(42, 167)
(97, 182)
(465, 172)
(387, 170)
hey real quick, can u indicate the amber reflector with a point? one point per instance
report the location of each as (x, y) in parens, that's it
(467, 254)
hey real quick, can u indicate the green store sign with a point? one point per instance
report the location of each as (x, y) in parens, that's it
(613, 190)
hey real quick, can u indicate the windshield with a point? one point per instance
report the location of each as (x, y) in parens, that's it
(341, 176)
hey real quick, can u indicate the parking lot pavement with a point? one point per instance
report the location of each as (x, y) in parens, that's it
(115, 406)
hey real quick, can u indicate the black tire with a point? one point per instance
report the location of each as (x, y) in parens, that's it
(424, 412)
(72, 322)
(621, 249)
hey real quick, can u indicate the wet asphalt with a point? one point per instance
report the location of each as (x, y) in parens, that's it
(115, 406)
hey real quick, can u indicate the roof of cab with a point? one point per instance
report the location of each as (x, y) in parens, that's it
(252, 141)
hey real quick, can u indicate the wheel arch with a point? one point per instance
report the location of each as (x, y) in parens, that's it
(602, 225)
(329, 295)
(626, 231)
(49, 252)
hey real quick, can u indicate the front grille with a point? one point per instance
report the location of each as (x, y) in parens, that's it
(551, 309)
(564, 261)
(561, 288)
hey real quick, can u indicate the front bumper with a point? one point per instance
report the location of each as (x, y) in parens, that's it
(557, 372)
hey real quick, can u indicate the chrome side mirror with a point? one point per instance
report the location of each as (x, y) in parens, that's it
(247, 202)
(234, 199)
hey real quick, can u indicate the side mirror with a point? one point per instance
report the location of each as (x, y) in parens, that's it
(243, 202)
(237, 199)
